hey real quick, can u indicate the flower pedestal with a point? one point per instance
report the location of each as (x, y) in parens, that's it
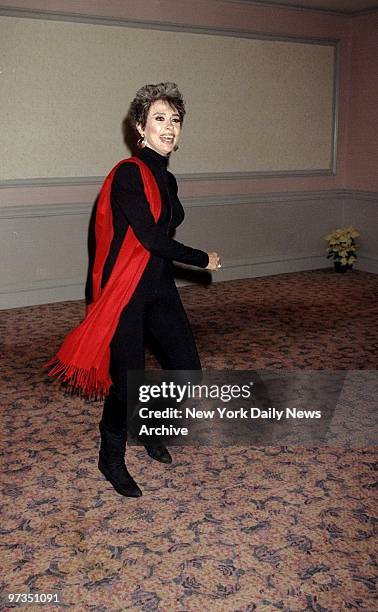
(341, 268)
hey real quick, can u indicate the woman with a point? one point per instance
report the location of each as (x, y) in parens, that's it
(130, 289)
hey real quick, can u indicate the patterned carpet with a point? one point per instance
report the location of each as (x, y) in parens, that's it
(237, 529)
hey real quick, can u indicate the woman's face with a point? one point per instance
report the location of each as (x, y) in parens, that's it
(163, 127)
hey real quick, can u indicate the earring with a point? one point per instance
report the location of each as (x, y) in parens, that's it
(141, 142)
(176, 148)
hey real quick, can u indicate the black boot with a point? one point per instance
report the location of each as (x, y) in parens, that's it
(112, 461)
(159, 452)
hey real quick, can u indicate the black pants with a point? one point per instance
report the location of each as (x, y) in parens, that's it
(155, 312)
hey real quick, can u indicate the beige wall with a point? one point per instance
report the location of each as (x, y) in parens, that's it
(362, 156)
(266, 106)
(255, 209)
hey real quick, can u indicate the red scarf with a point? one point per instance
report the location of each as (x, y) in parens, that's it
(83, 359)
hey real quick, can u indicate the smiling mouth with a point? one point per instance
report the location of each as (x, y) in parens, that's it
(167, 139)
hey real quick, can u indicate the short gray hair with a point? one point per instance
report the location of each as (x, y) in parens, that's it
(148, 94)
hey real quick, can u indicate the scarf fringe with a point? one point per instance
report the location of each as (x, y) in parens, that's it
(86, 383)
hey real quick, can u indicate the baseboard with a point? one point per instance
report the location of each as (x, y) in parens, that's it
(41, 292)
(46, 292)
(367, 264)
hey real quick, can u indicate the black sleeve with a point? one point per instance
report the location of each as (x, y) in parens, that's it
(128, 196)
(91, 246)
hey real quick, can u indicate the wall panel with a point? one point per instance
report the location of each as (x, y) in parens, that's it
(43, 249)
(254, 105)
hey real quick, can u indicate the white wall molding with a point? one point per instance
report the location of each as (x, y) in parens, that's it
(192, 177)
(69, 181)
(166, 25)
(25, 211)
(84, 208)
(362, 195)
(293, 6)
(259, 4)
(43, 285)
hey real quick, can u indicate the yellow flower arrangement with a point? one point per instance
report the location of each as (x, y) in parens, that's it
(341, 246)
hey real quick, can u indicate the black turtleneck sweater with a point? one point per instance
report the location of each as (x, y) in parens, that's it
(131, 208)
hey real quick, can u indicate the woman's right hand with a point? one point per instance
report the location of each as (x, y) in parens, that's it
(214, 262)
